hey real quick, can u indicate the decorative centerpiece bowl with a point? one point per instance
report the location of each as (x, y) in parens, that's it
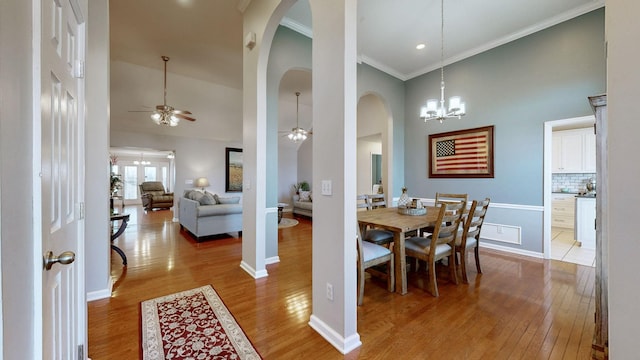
(404, 210)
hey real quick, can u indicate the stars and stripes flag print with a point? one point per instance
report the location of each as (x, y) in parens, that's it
(463, 153)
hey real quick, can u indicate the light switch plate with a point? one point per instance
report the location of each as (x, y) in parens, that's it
(326, 187)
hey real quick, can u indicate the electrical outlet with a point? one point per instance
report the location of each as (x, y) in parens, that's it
(329, 291)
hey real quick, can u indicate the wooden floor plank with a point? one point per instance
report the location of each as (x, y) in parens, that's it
(519, 308)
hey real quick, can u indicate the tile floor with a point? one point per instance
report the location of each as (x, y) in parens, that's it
(565, 248)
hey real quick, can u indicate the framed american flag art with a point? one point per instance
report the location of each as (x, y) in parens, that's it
(462, 154)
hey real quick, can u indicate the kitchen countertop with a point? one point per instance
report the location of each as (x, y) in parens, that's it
(588, 196)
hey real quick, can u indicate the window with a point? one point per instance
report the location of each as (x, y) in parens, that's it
(150, 173)
(130, 182)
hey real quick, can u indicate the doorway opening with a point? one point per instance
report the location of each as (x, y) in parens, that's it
(136, 165)
(560, 188)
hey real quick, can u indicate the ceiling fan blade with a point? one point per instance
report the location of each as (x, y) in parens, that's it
(176, 111)
(184, 117)
(147, 111)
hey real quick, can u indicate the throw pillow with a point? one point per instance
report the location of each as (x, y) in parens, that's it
(229, 200)
(207, 199)
(305, 195)
(195, 195)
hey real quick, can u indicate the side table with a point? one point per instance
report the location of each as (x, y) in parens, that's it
(281, 207)
(125, 220)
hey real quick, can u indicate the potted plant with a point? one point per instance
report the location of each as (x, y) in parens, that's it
(116, 184)
(301, 186)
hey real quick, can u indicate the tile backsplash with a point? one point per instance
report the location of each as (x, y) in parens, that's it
(574, 182)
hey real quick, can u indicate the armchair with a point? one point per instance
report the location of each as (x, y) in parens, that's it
(154, 196)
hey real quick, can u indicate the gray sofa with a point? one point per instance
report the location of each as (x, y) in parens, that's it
(205, 214)
(302, 207)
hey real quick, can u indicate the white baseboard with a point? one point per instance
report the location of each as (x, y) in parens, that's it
(511, 250)
(251, 271)
(272, 260)
(344, 345)
(101, 294)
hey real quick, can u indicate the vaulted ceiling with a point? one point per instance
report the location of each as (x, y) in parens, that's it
(204, 37)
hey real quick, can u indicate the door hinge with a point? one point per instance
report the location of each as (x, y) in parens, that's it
(78, 69)
(81, 352)
(81, 210)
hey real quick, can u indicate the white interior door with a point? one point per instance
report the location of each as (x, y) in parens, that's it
(62, 174)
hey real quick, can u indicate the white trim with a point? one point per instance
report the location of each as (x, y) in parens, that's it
(538, 208)
(251, 271)
(297, 27)
(36, 193)
(343, 345)
(511, 250)
(272, 260)
(382, 67)
(98, 295)
(101, 294)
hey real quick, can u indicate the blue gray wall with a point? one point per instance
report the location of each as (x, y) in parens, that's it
(391, 92)
(289, 50)
(515, 87)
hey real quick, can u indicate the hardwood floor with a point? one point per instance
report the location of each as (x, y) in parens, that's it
(519, 308)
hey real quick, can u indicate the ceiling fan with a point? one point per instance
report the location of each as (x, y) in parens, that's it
(167, 114)
(297, 133)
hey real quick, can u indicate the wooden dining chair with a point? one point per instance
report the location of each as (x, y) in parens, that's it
(469, 237)
(439, 245)
(362, 202)
(446, 198)
(376, 236)
(370, 255)
(376, 201)
(443, 197)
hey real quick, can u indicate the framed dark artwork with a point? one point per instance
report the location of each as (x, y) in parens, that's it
(233, 170)
(461, 154)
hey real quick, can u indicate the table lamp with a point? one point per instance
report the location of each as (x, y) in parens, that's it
(202, 183)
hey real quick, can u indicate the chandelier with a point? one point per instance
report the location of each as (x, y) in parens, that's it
(142, 161)
(297, 133)
(166, 114)
(435, 109)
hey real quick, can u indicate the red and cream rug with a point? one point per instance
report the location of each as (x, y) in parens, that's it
(193, 324)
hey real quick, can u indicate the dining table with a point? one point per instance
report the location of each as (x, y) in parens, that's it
(400, 224)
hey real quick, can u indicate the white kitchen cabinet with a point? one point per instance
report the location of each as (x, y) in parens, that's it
(589, 151)
(574, 151)
(563, 210)
(585, 231)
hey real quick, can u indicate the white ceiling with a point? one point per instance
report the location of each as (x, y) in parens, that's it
(204, 37)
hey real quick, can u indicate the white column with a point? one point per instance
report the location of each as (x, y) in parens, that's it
(334, 160)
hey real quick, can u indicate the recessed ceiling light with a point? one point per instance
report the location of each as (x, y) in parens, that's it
(420, 46)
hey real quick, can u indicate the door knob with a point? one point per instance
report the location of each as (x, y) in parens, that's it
(65, 258)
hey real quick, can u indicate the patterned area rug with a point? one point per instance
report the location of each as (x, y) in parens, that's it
(192, 324)
(287, 223)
